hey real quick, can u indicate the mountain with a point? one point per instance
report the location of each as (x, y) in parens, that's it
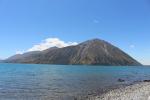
(91, 52)
(24, 57)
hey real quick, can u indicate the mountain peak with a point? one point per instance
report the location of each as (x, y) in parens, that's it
(96, 39)
(94, 42)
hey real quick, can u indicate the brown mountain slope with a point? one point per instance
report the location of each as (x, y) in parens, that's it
(91, 52)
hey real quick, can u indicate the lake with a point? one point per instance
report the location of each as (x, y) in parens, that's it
(63, 82)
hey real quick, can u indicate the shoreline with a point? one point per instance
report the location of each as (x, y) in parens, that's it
(137, 91)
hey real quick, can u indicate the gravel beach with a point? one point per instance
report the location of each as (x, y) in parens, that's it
(138, 91)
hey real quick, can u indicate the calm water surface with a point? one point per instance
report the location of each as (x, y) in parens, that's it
(62, 82)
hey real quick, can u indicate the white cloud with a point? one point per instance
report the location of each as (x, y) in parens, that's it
(51, 42)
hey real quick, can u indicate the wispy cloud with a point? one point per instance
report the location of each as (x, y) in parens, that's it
(132, 46)
(96, 21)
(19, 52)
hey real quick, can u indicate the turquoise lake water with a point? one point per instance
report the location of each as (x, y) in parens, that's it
(63, 82)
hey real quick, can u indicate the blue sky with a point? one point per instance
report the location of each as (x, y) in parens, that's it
(124, 23)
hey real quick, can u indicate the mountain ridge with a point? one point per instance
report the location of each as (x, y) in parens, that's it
(90, 52)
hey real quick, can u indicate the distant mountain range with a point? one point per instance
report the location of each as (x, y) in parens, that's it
(91, 52)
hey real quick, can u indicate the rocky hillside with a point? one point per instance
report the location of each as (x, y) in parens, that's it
(91, 52)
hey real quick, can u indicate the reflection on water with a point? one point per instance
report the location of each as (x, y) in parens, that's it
(62, 82)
